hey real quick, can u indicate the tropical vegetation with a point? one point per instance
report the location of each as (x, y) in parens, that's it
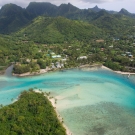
(32, 114)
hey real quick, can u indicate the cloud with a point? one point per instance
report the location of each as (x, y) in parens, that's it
(17, 2)
(78, 3)
(99, 1)
(24, 3)
(106, 4)
(96, 1)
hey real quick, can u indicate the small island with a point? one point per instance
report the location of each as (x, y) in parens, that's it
(32, 114)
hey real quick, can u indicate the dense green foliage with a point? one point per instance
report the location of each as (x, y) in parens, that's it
(32, 114)
(5, 46)
(115, 25)
(112, 65)
(18, 69)
(13, 17)
(58, 30)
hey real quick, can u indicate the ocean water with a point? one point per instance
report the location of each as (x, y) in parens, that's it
(92, 102)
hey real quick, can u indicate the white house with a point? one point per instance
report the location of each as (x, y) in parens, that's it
(56, 56)
(82, 57)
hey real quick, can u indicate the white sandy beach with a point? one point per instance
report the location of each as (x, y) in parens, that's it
(52, 100)
(119, 72)
(124, 73)
(83, 67)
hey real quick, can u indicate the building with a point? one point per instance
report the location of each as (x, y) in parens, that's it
(128, 53)
(63, 60)
(82, 57)
(56, 56)
(131, 56)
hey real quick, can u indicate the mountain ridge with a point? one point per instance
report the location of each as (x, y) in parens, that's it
(13, 17)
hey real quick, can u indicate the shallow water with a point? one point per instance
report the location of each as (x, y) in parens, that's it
(95, 102)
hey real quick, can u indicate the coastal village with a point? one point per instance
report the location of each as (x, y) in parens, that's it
(116, 54)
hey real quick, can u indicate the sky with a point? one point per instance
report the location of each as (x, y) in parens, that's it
(115, 5)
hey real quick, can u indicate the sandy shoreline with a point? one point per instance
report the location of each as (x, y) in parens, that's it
(118, 72)
(94, 66)
(52, 100)
(98, 66)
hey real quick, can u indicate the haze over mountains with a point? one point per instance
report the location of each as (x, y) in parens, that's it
(13, 17)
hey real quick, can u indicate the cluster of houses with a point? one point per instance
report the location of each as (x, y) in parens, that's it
(129, 54)
(57, 65)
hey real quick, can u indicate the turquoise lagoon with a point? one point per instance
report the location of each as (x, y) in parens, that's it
(92, 102)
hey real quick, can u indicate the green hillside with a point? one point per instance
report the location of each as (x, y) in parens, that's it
(5, 49)
(58, 30)
(40, 8)
(114, 24)
(12, 17)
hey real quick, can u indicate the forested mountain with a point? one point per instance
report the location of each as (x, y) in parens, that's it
(114, 24)
(65, 9)
(96, 9)
(13, 17)
(40, 8)
(58, 30)
(126, 13)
